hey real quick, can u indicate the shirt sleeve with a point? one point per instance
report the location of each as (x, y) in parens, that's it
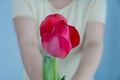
(98, 12)
(22, 8)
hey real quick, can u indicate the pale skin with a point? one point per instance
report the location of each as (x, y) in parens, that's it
(27, 36)
(92, 51)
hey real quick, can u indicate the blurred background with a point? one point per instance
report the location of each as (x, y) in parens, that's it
(11, 67)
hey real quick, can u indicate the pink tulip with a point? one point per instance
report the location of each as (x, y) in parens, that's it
(57, 37)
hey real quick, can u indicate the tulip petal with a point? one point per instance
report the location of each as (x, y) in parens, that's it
(61, 28)
(46, 27)
(74, 36)
(49, 22)
(57, 45)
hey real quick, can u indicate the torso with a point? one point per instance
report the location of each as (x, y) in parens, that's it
(76, 13)
(71, 11)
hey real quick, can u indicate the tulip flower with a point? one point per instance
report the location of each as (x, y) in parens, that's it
(57, 38)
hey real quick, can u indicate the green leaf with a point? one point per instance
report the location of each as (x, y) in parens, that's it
(48, 68)
(63, 78)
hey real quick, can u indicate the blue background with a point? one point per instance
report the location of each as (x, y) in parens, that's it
(11, 67)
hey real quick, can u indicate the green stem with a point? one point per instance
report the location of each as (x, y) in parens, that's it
(55, 68)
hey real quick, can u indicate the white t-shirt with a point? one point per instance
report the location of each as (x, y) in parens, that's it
(78, 13)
